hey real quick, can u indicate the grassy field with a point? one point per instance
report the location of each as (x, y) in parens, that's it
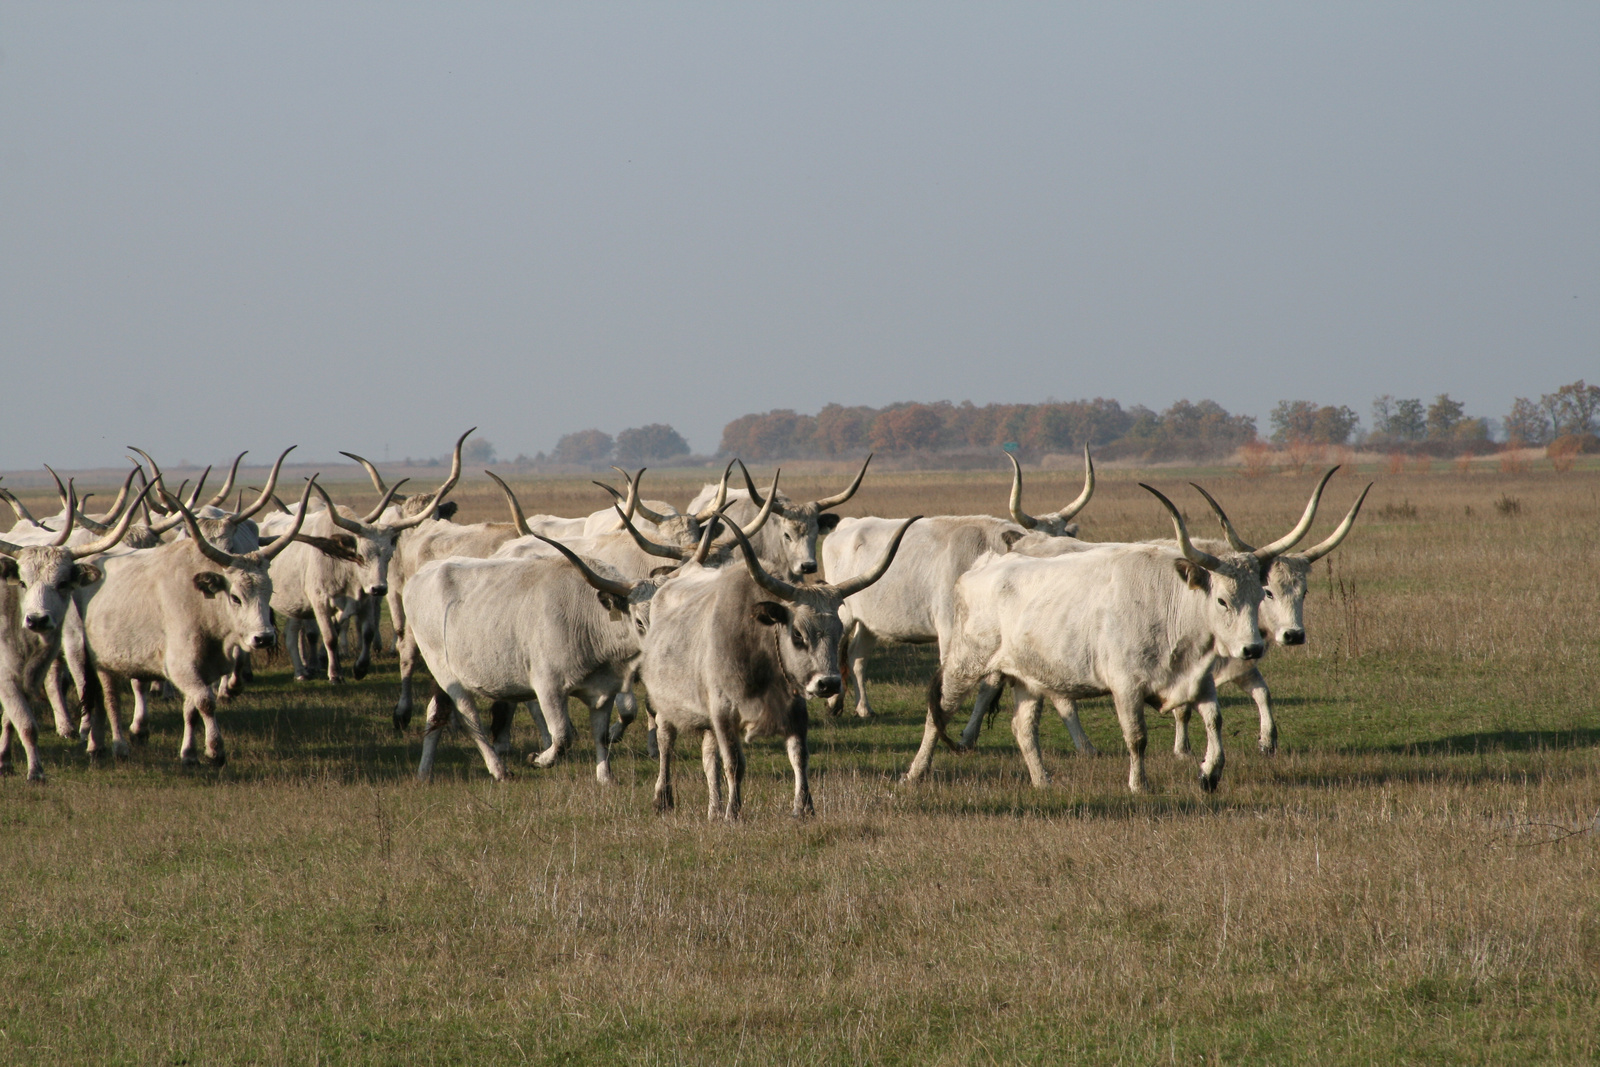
(1412, 879)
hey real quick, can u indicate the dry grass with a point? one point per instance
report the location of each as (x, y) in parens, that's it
(1411, 879)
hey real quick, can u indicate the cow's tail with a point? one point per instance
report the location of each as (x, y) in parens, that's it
(936, 708)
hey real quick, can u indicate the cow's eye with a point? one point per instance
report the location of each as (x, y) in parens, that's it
(235, 599)
(1269, 594)
(1221, 603)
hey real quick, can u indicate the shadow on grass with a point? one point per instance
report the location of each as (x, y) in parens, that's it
(1499, 741)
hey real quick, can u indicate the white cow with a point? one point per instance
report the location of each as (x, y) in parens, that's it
(1141, 622)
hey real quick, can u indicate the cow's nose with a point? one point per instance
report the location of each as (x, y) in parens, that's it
(264, 640)
(829, 686)
(378, 590)
(1252, 651)
(808, 568)
(39, 623)
(1294, 637)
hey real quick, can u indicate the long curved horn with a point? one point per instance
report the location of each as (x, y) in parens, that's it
(109, 541)
(1235, 542)
(1088, 489)
(707, 535)
(61, 490)
(1192, 554)
(207, 549)
(156, 477)
(9, 549)
(518, 519)
(388, 496)
(266, 496)
(439, 494)
(115, 512)
(861, 581)
(338, 520)
(1292, 538)
(834, 501)
(766, 508)
(664, 551)
(199, 487)
(21, 509)
(604, 584)
(84, 520)
(267, 552)
(634, 504)
(221, 497)
(722, 492)
(372, 472)
(1018, 516)
(72, 511)
(777, 587)
(1317, 552)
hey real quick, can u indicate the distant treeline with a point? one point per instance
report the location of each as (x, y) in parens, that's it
(1199, 430)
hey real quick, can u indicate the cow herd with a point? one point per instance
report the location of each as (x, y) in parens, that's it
(715, 613)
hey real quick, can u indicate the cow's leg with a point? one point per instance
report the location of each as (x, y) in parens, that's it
(199, 704)
(600, 727)
(1025, 728)
(947, 691)
(366, 635)
(139, 729)
(553, 702)
(982, 705)
(732, 753)
(711, 762)
(6, 731)
(1068, 710)
(438, 717)
(500, 717)
(292, 632)
(397, 612)
(540, 724)
(55, 688)
(330, 641)
(627, 705)
(1252, 682)
(113, 716)
(862, 644)
(1180, 733)
(19, 717)
(668, 734)
(800, 760)
(407, 656)
(467, 715)
(1211, 715)
(1130, 714)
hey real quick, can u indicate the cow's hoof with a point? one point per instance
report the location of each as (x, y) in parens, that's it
(663, 804)
(335, 679)
(1268, 748)
(1208, 784)
(863, 713)
(139, 737)
(189, 759)
(604, 776)
(121, 749)
(401, 722)
(36, 777)
(218, 759)
(834, 704)
(359, 671)
(302, 677)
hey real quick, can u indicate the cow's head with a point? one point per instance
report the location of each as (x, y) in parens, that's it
(1056, 523)
(805, 618)
(411, 510)
(1286, 577)
(1230, 586)
(627, 601)
(237, 587)
(47, 574)
(790, 537)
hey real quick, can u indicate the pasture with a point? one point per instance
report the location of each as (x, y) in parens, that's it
(1415, 877)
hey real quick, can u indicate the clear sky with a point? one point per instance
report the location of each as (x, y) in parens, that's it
(369, 226)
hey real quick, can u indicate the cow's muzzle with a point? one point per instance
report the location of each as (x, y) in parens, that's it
(378, 590)
(39, 623)
(266, 640)
(1294, 637)
(829, 685)
(1252, 651)
(808, 568)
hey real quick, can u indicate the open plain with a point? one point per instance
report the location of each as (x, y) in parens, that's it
(1414, 877)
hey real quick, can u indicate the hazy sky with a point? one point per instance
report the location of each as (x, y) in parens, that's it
(367, 227)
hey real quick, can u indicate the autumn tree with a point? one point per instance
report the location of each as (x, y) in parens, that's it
(654, 442)
(585, 446)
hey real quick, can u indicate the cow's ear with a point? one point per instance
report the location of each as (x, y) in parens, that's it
(826, 522)
(85, 574)
(771, 613)
(1197, 576)
(8, 569)
(1011, 537)
(1071, 530)
(210, 583)
(613, 603)
(660, 572)
(447, 510)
